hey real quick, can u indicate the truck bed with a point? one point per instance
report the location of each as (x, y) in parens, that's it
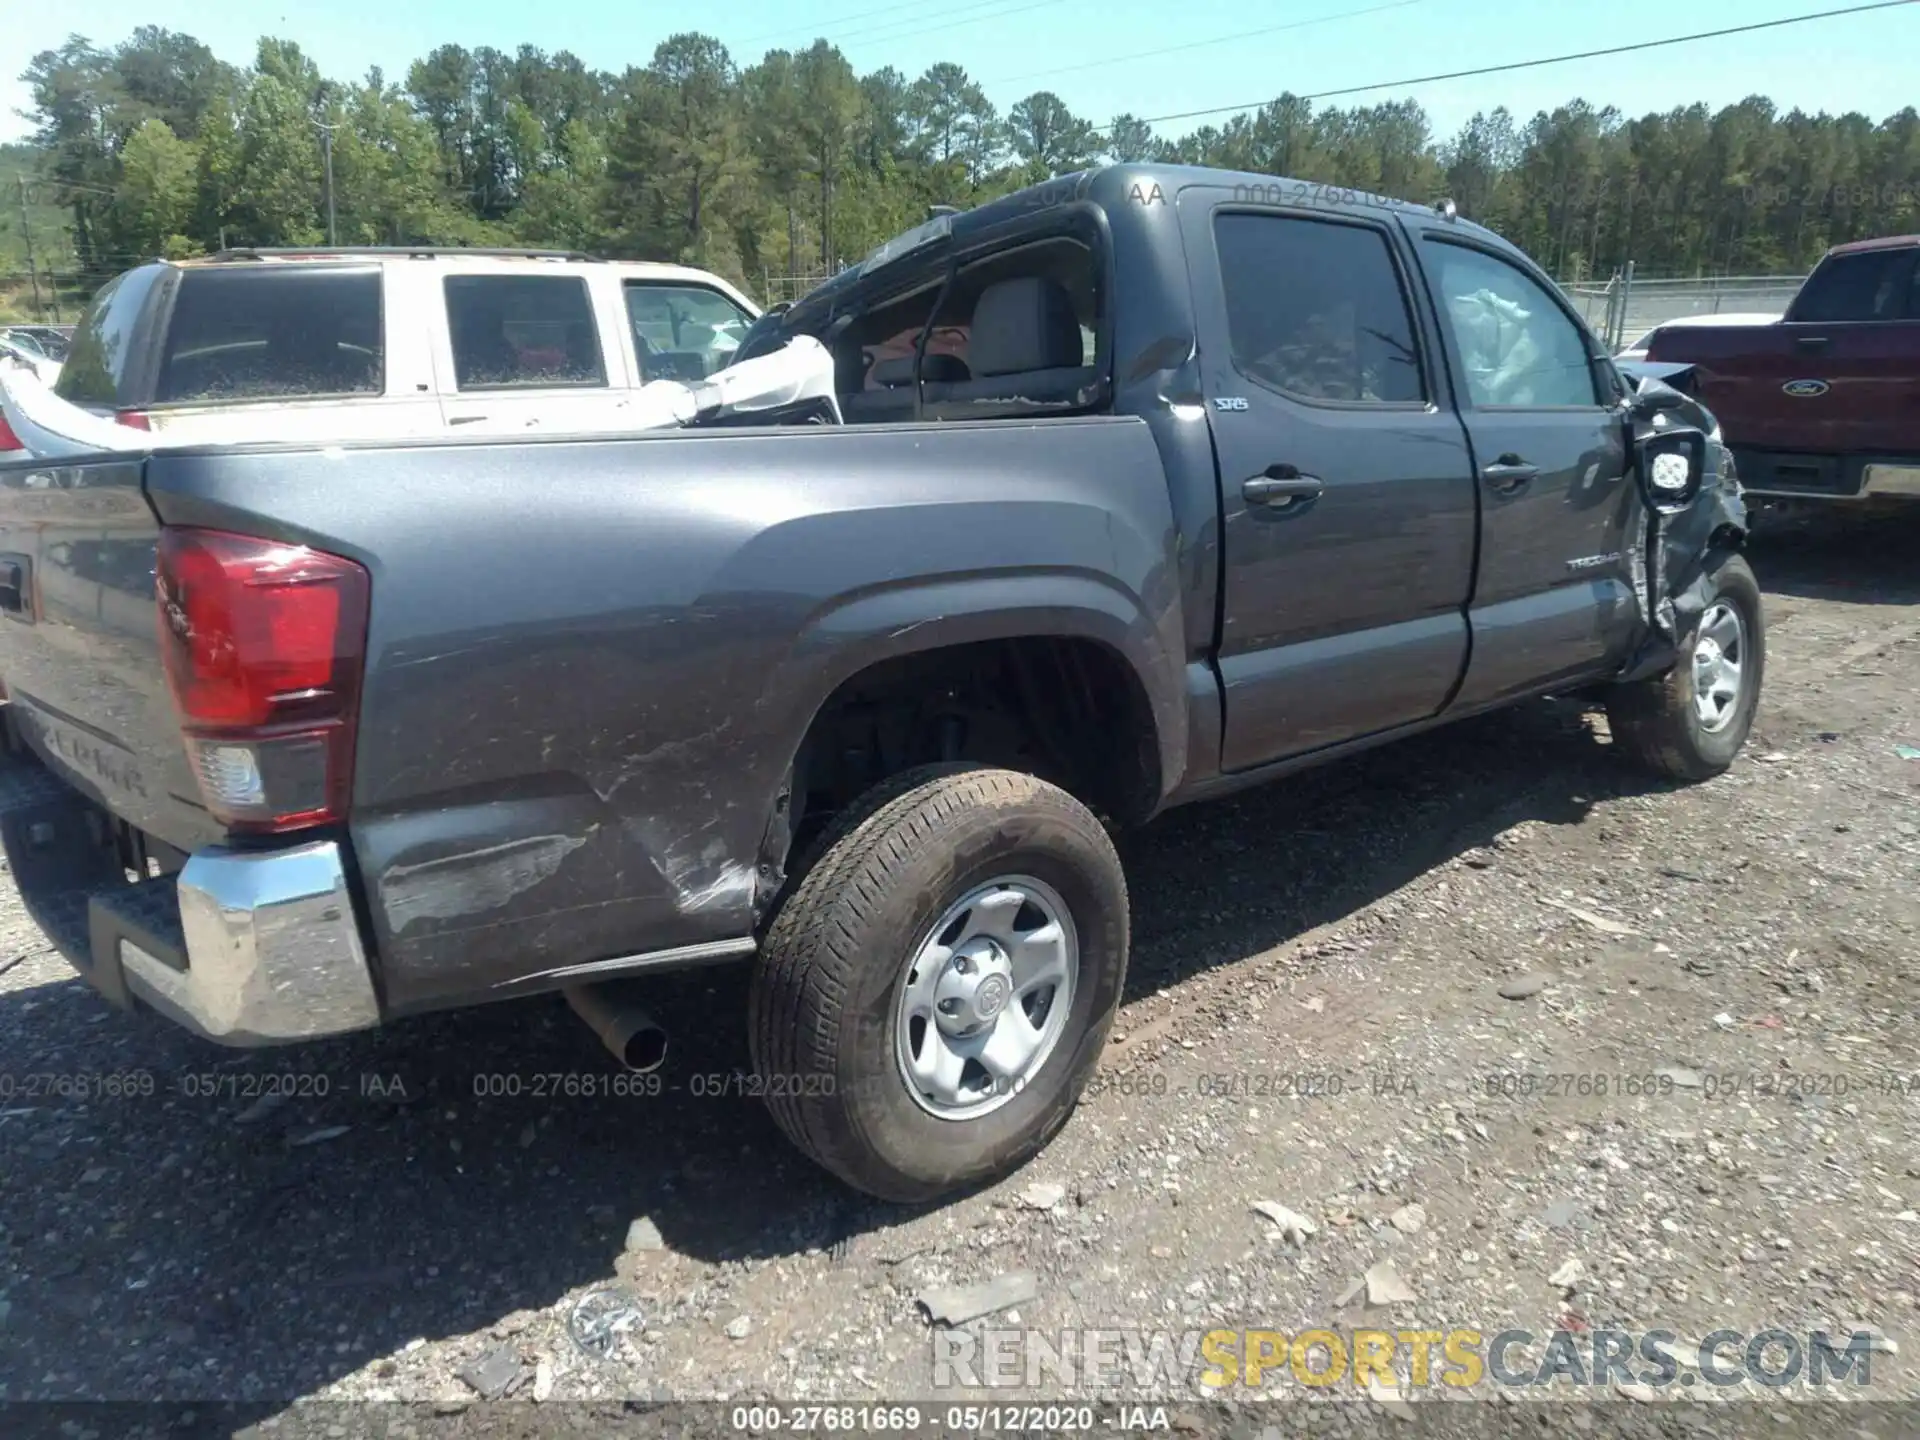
(589, 661)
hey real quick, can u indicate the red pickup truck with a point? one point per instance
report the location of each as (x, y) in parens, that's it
(1824, 405)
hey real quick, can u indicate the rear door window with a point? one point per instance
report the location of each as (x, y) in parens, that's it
(1870, 285)
(1315, 310)
(683, 332)
(273, 332)
(100, 368)
(523, 332)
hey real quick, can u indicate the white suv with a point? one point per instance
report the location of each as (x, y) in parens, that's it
(345, 343)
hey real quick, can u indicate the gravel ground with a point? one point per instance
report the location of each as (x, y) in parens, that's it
(1532, 1042)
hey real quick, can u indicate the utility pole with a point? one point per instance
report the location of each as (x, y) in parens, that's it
(326, 151)
(26, 234)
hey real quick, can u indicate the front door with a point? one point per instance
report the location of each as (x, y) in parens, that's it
(1554, 595)
(681, 331)
(1346, 490)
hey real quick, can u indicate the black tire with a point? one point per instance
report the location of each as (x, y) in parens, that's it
(1654, 720)
(825, 986)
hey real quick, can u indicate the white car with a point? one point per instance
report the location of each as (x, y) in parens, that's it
(22, 347)
(345, 343)
(1638, 350)
(790, 384)
(22, 360)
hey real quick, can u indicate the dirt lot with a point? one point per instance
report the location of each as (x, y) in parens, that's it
(1707, 1094)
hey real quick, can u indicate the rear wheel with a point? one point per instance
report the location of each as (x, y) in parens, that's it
(1689, 723)
(934, 993)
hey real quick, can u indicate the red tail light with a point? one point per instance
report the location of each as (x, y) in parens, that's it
(8, 440)
(133, 419)
(264, 644)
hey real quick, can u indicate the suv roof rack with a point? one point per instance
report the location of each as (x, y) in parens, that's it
(327, 252)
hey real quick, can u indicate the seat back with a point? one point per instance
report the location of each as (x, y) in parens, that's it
(889, 396)
(1024, 344)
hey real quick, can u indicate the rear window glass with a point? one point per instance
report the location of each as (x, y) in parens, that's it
(270, 333)
(1060, 276)
(522, 330)
(1315, 309)
(96, 367)
(1872, 285)
(273, 333)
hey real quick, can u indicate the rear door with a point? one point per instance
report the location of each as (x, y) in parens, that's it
(524, 346)
(1346, 488)
(1543, 410)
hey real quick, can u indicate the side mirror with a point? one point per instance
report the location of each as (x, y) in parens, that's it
(1656, 399)
(1673, 465)
(1656, 385)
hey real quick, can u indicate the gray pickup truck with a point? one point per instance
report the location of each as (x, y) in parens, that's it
(1151, 483)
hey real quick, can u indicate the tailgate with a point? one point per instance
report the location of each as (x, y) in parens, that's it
(79, 647)
(1843, 388)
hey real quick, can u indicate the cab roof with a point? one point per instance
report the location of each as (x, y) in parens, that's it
(1116, 189)
(1885, 242)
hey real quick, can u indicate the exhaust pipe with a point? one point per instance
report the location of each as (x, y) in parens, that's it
(634, 1036)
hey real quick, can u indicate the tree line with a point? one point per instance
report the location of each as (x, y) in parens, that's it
(796, 163)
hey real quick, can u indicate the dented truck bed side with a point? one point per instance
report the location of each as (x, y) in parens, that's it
(590, 663)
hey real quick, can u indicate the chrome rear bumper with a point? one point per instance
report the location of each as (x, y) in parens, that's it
(245, 947)
(273, 951)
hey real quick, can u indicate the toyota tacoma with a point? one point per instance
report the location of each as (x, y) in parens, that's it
(1134, 491)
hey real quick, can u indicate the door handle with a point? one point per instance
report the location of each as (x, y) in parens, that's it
(1280, 487)
(1812, 342)
(1509, 473)
(465, 419)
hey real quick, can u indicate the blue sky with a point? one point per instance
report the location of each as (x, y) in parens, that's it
(1104, 56)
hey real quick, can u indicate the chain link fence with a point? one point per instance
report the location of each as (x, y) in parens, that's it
(772, 289)
(1626, 306)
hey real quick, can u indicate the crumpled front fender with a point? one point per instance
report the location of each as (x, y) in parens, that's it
(1681, 552)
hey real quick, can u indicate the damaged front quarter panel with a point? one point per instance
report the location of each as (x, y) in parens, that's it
(1674, 558)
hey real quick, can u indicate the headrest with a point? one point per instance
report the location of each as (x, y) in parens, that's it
(1024, 324)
